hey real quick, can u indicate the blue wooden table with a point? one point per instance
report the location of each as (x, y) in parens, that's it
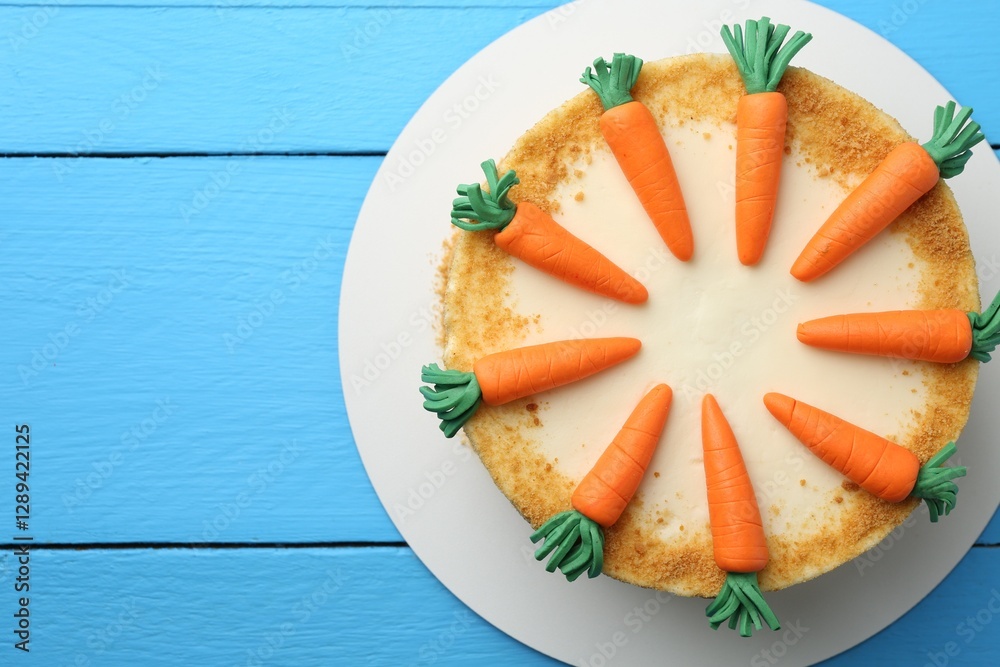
(178, 186)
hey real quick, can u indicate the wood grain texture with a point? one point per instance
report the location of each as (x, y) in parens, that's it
(151, 425)
(926, 632)
(197, 395)
(193, 79)
(248, 607)
(213, 78)
(366, 607)
(176, 348)
(991, 535)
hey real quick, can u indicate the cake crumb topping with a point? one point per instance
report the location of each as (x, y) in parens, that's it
(842, 137)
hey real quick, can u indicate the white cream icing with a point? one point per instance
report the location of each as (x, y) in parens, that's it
(714, 325)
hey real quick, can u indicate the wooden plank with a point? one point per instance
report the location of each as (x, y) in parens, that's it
(249, 607)
(258, 80)
(991, 535)
(954, 625)
(175, 348)
(184, 79)
(224, 5)
(363, 606)
(75, 228)
(181, 373)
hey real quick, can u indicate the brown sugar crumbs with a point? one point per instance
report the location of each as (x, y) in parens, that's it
(630, 551)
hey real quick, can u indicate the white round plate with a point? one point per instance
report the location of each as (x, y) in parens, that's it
(437, 492)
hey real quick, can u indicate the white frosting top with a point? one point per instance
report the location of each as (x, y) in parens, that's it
(714, 325)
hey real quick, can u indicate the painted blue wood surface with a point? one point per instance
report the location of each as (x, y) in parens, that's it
(373, 606)
(213, 78)
(248, 607)
(151, 423)
(195, 346)
(991, 535)
(201, 359)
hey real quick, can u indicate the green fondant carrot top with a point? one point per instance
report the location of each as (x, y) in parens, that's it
(637, 144)
(761, 117)
(527, 232)
(907, 173)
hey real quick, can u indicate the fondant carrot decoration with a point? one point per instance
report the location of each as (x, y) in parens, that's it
(738, 540)
(761, 116)
(636, 142)
(575, 537)
(530, 234)
(946, 336)
(877, 465)
(908, 172)
(506, 376)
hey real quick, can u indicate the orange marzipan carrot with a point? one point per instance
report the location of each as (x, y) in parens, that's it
(575, 538)
(907, 173)
(609, 486)
(760, 141)
(636, 142)
(535, 238)
(877, 465)
(761, 118)
(512, 374)
(943, 336)
(525, 231)
(499, 378)
(738, 537)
